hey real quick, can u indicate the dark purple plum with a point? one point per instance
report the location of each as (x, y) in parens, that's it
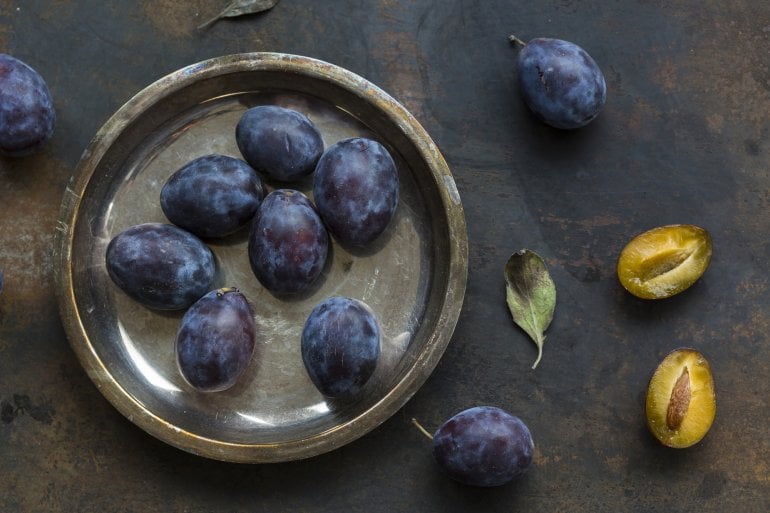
(356, 190)
(561, 83)
(215, 340)
(27, 115)
(280, 143)
(483, 446)
(160, 265)
(212, 196)
(340, 346)
(288, 243)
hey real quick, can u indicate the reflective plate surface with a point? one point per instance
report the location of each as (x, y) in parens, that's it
(413, 277)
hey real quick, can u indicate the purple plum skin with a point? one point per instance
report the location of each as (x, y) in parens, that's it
(340, 346)
(282, 144)
(160, 265)
(288, 243)
(560, 83)
(212, 196)
(215, 341)
(483, 446)
(356, 190)
(27, 114)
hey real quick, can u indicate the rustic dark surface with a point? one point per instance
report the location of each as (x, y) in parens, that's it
(684, 138)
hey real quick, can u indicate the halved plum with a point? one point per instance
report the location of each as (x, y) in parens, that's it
(681, 403)
(664, 261)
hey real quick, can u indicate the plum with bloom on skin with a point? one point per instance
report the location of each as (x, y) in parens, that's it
(215, 340)
(561, 83)
(212, 196)
(281, 144)
(288, 243)
(483, 446)
(340, 346)
(356, 190)
(27, 114)
(160, 265)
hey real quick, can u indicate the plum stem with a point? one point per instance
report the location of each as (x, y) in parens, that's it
(225, 290)
(516, 41)
(422, 429)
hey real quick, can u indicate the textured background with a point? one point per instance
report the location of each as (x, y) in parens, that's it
(683, 139)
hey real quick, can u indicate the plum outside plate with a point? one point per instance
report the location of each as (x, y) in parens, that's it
(413, 277)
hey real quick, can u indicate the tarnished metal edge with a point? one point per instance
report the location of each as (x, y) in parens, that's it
(344, 433)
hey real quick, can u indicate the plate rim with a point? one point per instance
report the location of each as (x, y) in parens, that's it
(341, 434)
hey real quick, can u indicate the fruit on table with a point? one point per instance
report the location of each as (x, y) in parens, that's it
(27, 115)
(560, 82)
(215, 340)
(483, 446)
(340, 346)
(160, 265)
(664, 261)
(356, 190)
(681, 404)
(280, 143)
(288, 243)
(212, 195)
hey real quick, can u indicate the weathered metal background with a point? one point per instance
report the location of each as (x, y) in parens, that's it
(684, 138)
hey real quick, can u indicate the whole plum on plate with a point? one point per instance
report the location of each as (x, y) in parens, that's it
(356, 190)
(280, 143)
(212, 196)
(288, 243)
(215, 340)
(560, 82)
(340, 346)
(160, 265)
(27, 115)
(483, 446)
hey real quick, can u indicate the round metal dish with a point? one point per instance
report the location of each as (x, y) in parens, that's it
(414, 278)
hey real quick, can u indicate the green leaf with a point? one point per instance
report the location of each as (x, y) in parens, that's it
(239, 8)
(531, 295)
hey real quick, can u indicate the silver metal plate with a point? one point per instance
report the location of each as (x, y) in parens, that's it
(413, 277)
